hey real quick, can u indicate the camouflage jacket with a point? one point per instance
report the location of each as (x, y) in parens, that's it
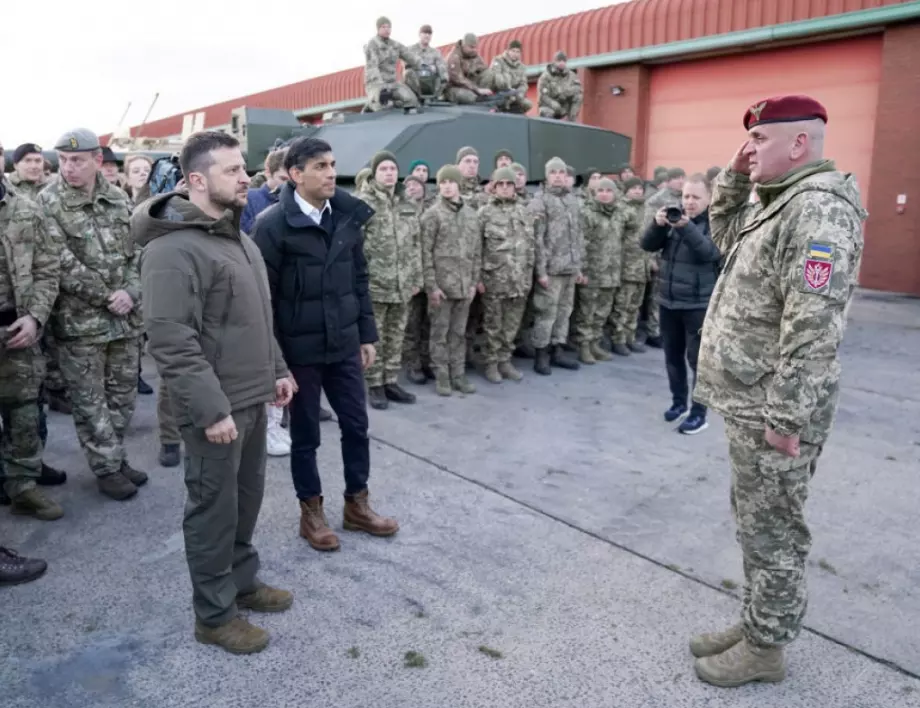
(380, 59)
(523, 196)
(559, 240)
(778, 313)
(558, 87)
(635, 260)
(432, 57)
(451, 249)
(29, 190)
(507, 248)
(462, 71)
(30, 259)
(98, 257)
(508, 75)
(391, 244)
(605, 226)
(472, 193)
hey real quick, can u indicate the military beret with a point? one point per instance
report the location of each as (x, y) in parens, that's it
(515, 44)
(606, 183)
(518, 167)
(560, 56)
(676, 173)
(570, 171)
(419, 163)
(632, 182)
(449, 173)
(413, 178)
(425, 29)
(380, 157)
(108, 155)
(554, 164)
(470, 39)
(503, 174)
(78, 140)
(503, 153)
(465, 151)
(25, 149)
(784, 109)
(381, 21)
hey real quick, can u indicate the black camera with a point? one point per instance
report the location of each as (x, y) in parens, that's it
(674, 214)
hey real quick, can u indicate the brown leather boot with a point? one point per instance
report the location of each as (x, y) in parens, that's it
(359, 516)
(315, 528)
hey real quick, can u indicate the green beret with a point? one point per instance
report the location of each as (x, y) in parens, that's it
(381, 21)
(504, 174)
(383, 156)
(419, 163)
(449, 173)
(465, 151)
(78, 140)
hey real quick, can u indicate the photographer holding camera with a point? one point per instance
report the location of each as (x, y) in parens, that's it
(689, 270)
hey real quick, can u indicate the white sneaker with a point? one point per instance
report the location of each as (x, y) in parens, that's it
(277, 440)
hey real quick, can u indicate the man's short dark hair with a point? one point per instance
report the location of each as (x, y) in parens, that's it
(196, 153)
(302, 150)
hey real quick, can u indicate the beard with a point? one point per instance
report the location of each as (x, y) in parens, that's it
(227, 200)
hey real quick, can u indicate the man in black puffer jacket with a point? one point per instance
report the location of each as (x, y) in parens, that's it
(689, 270)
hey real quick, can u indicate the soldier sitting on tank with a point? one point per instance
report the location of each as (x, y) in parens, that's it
(559, 90)
(381, 55)
(468, 77)
(509, 80)
(429, 80)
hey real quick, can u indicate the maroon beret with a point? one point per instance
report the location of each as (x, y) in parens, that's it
(784, 109)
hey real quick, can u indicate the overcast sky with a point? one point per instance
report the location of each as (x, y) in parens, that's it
(79, 67)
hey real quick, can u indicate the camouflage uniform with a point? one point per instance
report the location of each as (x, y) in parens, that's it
(507, 272)
(665, 197)
(465, 75)
(29, 271)
(416, 355)
(627, 299)
(380, 59)
(510, 75)
(452, 262)
(769, 357)
(560, 93)
(393, 252)
(426, 56)
(100, 351)
(30, 190)
(559, 254)
(605, 226)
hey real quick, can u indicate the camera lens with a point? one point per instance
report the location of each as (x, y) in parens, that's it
(673, 214)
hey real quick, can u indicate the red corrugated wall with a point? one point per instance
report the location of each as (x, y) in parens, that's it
(617, 27)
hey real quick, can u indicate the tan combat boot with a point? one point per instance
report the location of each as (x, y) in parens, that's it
(359, 516)
(116, 486)
(743, 663)
(462, 384)
(442, 384)
(265, 599)
(713, 643)
(236, 636)
(584, 354)
(315, 528)
(507, 370)
(492, 375)
(33, 502)
(600, 353)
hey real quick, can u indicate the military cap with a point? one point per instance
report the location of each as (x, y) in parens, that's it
(425, 29)
(515, 44)
(503, 174)
(784, 109)
(25, 149)
(560, 56)
(108, 155)
(381, 157)
(503, 153)
(555, 163)
(632, 182)
(465, 151)
(381, 21)
(606, 183)
(518, 167)
(449, 173)
(570, 171)
(413, 178)
(77, 140)
(419, 163)
(676, 173)
(470, 39)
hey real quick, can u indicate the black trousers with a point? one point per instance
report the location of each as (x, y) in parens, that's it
(343, 383)
(680, 336)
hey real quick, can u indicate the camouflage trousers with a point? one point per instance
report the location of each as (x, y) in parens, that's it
(458, 94)
(652, 322)
(560, 109)
(54, 379)
(448, 336)
(21, 375)
(166, 419)
(516, 104)
(418, 332)
(102, 381)
(391, 327)
(398, 93)
(768, 497)
(552, 311)
(474, 332)
(501, 321)
(624, 318)
(523, 335)
(592, 310)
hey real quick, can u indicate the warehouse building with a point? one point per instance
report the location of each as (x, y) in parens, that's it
(676, 76)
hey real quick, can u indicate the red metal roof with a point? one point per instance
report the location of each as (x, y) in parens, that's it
(617, 27)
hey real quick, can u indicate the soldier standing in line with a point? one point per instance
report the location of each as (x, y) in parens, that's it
(559, 255)
(393, 252)
(381, 55)
(416, 355)
(769, 363)
(29, 272)
(503, 158)
(507, 273)
(97, 318)
(510, 74)
(559, 90)
(627, 299)
(452, 263)
(28, 177)
(468, 78)
(520, 183)
(471, 190)
(427, 56)
(604, 223)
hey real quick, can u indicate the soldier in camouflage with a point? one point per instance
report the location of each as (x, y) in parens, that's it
(503, 158)
(381, 55)
(452, 262)
(627, 298)
(471, 190)
(416, 356)
(559, 90)
(559, 254)
(431, 58)
(29, 272)
(394, 261)
(468, 77)
(28, 177)
(97, 319)
(769, 363)
(507, 273)
(520, 183)
(509, 76)
(604, 222)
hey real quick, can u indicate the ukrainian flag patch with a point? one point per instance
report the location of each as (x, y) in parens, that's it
(820, 251)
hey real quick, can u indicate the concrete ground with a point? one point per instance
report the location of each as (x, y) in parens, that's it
(557, 522)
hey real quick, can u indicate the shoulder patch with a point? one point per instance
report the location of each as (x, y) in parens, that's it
(820, 251)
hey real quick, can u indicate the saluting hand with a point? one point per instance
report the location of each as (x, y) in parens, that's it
(741, 162)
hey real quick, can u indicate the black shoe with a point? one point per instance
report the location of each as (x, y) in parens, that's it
(541, 363)
(51, 477)
(169, 455)
(4, 497)
(525, 351)
(675, 412)
(569, 347)
(60, 403)
(397, 394)
(143, 387)
(417, 376)
(620, 350)
(637, 347)
(562, 360)
(377, 397)
(694, 424)
(324, 415)
(14, 569)
(429, 374)
(654, 342)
